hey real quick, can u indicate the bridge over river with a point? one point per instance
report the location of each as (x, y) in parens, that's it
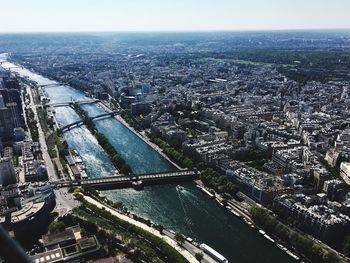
(71, 102)
(136, 181)
(80, 122)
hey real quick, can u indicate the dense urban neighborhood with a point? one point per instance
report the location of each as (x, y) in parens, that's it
(258, 121)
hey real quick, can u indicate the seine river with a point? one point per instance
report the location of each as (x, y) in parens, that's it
(188, 211)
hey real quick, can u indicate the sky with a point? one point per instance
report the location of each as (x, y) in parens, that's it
(171, 15)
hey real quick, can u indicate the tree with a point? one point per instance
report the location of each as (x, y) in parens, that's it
(346, 246)
(330, 257)
(199, 256)
(180, 239)
(56, 227)
(160, 228)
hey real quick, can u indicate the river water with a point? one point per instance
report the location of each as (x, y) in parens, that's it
(188, 211)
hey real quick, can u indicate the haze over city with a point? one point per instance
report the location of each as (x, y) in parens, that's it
(166, 15)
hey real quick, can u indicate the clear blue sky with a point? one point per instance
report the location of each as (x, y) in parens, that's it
(171, 15)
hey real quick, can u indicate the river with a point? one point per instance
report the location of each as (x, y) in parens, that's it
(188, 211)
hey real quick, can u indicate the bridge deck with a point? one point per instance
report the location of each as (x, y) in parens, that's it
(67, 103)
(80, 122)
(115, 182)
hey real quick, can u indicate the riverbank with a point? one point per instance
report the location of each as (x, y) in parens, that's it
(145, 227)
(242, 210)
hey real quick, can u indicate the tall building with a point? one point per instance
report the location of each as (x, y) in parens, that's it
(6, 124)
(7, 172)
(13, 107)
(2, 102)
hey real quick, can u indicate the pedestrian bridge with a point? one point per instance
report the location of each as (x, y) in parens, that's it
(80, 122)
(136, 181)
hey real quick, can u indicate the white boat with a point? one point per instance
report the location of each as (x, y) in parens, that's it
(78, 160)
(213, 253)
(235, 213)
(207, 192)
(179, 187)
(189, 239)
(269, 238)
(292, 255)
(84, 175)
(281, 247)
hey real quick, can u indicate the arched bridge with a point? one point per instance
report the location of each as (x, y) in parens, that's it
(80, 122)
(68, 103)
(132, 181)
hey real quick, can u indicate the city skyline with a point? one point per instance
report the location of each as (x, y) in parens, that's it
(156, 15)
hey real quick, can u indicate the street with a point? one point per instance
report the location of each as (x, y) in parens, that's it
(47, 159)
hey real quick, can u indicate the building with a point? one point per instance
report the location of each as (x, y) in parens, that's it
(345, 172)
(25, 209)
(6, 125)
(7, 172)
(66, 246)
(19, 134)
(138, 108)
(318, 218)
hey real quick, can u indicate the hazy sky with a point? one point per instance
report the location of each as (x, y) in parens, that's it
(164, 15)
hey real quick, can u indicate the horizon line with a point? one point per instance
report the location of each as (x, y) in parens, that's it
(180, 31)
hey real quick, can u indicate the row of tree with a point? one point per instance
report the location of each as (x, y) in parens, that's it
(130, 119)
(174, 154)
(305, 245)
(218, 182)
(116, 158)
(165, 251)
(32, 124)
(209, 176)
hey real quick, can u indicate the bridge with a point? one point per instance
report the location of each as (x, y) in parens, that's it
(136, 181)
(80, 122)
(68, 103)
(51, 85)
(9, 68)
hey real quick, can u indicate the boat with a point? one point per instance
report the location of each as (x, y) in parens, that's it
(213, 253)
(207, 192)
(78, 160)
(81, 166)
(189, 239)
(292, 255)
(235, 213)
(281, 247)
(84, 175)
(179, 187)
(269, 238)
